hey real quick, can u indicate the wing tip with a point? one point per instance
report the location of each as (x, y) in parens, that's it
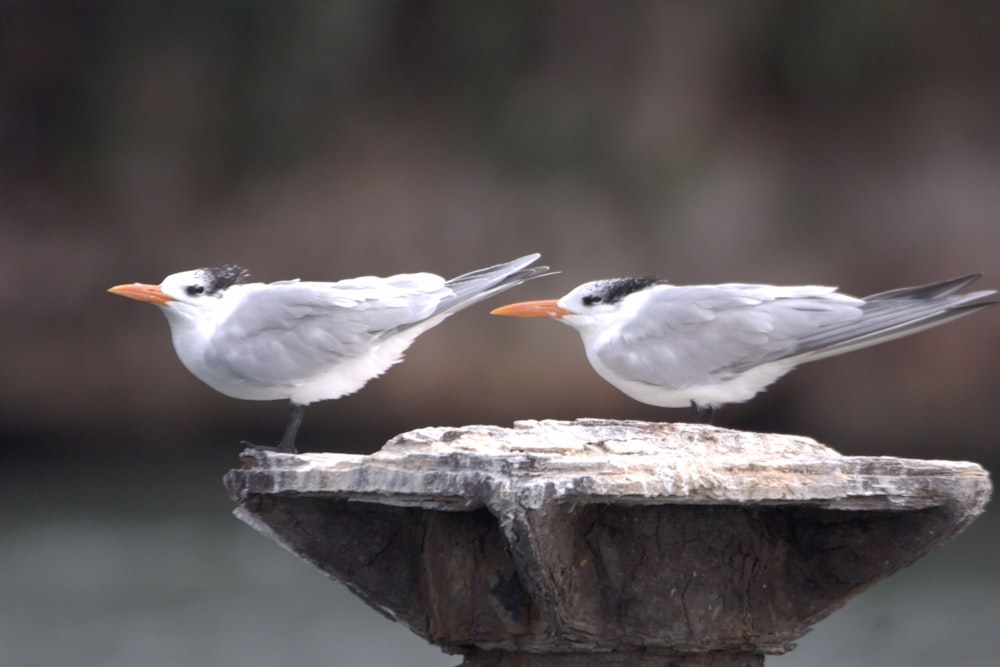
(933, 290)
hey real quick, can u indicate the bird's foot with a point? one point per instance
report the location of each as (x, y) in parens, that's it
(246, 444)
(702, 414)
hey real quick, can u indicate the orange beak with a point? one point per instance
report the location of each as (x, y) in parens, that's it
(140, 292)
(547, 308)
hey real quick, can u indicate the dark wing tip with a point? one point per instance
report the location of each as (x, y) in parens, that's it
(929, 291)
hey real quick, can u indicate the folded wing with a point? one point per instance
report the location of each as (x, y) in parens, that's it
(698, 335)
(290, 331)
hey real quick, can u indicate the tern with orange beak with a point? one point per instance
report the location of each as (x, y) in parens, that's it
(308, 341)
(707, 345)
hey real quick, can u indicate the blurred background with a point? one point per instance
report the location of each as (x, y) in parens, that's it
(852, 143)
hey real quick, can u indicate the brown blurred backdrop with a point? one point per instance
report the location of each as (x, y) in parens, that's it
(853, 143)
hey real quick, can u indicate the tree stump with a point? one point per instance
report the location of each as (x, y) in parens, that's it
(609, 543)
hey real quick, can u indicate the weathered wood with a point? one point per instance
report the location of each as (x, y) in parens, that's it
(521, 659)
(639, 544)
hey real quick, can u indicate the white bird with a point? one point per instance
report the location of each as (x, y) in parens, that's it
(707, 345)
(308, 341)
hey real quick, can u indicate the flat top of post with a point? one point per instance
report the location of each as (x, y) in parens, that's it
(590, 460)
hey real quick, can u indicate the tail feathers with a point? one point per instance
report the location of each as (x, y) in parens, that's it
(475, 286)
(890, 315)
(890, 333)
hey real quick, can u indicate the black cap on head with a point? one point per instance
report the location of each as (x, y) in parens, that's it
(616, 289)
(221, 277)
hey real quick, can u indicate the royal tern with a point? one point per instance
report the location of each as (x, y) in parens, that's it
(308, 341)
(707, 345)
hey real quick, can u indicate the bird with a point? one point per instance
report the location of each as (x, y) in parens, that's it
(704, 346)
(308, 341)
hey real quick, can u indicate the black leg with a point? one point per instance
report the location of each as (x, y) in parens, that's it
(287, 443)
(702, 414)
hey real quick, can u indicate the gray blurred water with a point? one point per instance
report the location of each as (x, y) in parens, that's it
(143, 566)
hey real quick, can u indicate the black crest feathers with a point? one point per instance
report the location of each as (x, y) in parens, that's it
(221, 277)
(616, 289)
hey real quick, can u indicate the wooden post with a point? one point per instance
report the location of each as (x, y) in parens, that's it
(593, 542)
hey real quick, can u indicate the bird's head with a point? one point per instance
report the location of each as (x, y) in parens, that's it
(187, 292)
(591, 305)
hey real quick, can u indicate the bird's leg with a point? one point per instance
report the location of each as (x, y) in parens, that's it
(702, 414)
(287, 443)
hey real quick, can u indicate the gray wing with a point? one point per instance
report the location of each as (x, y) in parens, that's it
(686, 336)
(287, 332)
(703, 334)
(291, 330)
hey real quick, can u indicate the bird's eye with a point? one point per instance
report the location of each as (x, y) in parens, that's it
(195, 290)
(591, 300)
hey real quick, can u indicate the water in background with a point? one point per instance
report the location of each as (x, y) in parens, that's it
(145, 567)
